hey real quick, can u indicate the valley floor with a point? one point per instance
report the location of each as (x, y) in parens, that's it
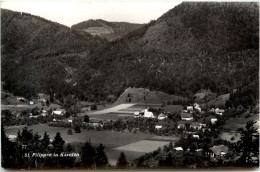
(133, 145)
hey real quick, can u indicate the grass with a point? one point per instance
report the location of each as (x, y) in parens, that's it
(144, 146)
(234, 123)
(173, 108)
(108, 138)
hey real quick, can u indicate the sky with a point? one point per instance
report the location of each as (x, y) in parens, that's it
(69, 12)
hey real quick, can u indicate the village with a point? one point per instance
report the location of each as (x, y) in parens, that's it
(192, 121)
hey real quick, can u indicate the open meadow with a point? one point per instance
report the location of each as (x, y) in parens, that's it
(234, 123)
(109, 138)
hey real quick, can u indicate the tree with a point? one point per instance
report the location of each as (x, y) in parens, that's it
(122, 162)
(101, 158)
(168, 161)
(86, 118)
(249, 144)
(58, 143)
(69, 161)
(7, 152)
(69, 132)
(88, 155)
(45, 142)
(77, 129)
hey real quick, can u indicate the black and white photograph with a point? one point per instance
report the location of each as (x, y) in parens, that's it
(129, 85)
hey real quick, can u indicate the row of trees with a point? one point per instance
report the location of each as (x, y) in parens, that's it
(22, 153)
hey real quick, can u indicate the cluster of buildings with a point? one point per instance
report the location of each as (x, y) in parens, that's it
(146, 113)
(215, 152)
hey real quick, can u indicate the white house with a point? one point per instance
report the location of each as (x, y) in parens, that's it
(189, 108)
(31, 102)
(157, 127)
(197, 107)
(12, 137)
(213, 120)
(178, 148)
(148, 114)
(162, 116)
(59, 112)
(196, 136)
(137, 114)
(44, 113)
(219, 111)
(186, 116)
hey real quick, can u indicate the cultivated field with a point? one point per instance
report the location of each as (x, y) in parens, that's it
(114, 109)
(108, 138)
(144, 146)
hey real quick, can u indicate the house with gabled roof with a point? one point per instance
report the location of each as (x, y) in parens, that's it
(218, 151)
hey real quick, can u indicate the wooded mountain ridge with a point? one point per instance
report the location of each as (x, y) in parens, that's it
(194, 46)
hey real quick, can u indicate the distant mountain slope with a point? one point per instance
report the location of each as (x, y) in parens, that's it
(25, 34)
(105, 29)
(32, 47)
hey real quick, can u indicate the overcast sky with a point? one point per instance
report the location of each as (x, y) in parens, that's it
(70, 12)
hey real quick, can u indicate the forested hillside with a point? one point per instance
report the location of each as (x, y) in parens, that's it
(39, 55)
(194, 46)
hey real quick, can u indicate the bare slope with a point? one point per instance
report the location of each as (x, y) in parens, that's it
(105, 29)
(141, 95)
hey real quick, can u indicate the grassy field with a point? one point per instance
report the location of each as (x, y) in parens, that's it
(233, 124)
(173, 108)
(21, 107)
(108, 138)
(111, 109)
(144, 146)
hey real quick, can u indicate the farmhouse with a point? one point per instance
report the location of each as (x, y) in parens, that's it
(162, 116)
(44, 113)
(157, 127)
(196, 125)
(213, 120)
(218, 151)
(144, 113)
(59, 112)
(186, 117)
(219, 111)
(189, 108)
(196, 136)
(56, 120)
(182, 124)
(95, 123)
(197, 107)
(148, 114)
(68, 120)
(137, 114)
(21, 99)
(178, 148)
(12, 137)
